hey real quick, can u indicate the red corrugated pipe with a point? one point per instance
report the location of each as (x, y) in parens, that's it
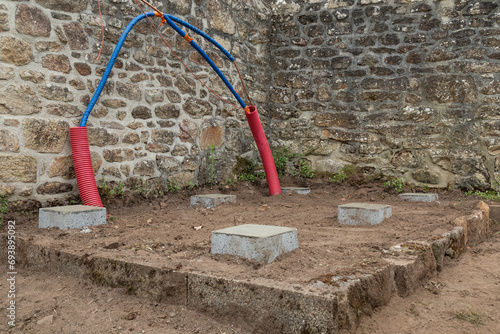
(264, 149)
(83, 166)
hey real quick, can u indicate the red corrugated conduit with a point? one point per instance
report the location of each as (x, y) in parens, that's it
(83, 166)
(264, 150)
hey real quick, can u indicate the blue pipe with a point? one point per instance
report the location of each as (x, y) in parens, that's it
(201, 33)
(169, 19)
(111, 63)
(207, 58)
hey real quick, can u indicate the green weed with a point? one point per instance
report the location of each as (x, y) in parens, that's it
(245, 170)
(395, 183)
(490, 195)
(339, 176)
(281, 158)
(305, 170)
(4, 207)
(108, 190)
(172, 187)
(469, 316)
(141, 189)
(247, 177)
(230, 182)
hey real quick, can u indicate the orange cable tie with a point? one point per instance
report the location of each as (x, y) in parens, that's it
(187, 38)
(180, 60)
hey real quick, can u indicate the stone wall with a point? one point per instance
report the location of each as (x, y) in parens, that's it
(406, 87)
(153, 121)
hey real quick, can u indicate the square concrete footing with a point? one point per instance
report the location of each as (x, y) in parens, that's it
(212, 200)
(298, 190)
(363, 213)
(420, 197)
(71, 216)
(262, 243)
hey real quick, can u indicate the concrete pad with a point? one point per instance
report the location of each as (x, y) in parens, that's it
(71, 216)
(363, 213)
(420, 197)
(212, 200)
(262, 243)
(298, 190)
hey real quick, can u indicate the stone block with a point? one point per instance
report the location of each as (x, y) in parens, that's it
(71, 216)
(212, 200)
(412, 264)
(262, 243)
(476, 226)
(298, 190)
(495, 214)
(363, 213)
(420, 197)
(262, 308)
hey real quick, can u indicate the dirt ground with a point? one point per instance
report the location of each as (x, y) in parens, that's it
(169, 233)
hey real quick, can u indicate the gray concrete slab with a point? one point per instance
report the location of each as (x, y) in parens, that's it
(420, 197)
(71, 216)
(262, 243)
(363, 213)
(298, 190)
(212, 200)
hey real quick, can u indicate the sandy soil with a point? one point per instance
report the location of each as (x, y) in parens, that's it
(463, 299)
(169, 233)
(162, 232)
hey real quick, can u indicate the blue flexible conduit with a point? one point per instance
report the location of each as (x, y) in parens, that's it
(170, 20)
(207, 58)
(202, 34)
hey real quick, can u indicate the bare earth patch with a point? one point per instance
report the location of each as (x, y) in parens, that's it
(165, 232)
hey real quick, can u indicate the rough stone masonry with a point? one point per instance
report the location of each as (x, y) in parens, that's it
(404, 87)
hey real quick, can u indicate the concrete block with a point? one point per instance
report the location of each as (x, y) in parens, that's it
(212, 200)
(420, 197)
(262, 243)
(71, 216)
(363, 213)
(298, 190)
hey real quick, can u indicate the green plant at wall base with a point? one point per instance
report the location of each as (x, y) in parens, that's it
(172, 187)
(305, 170)
(247, 177)
(339, 176)
(281, 157)
(117, 191)
(107, 190)
(245, 170)
(396, 184)
(490, 195)
(191, 185)
(230, 182)
(4, 207)
(141, 189)
(212, 175)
